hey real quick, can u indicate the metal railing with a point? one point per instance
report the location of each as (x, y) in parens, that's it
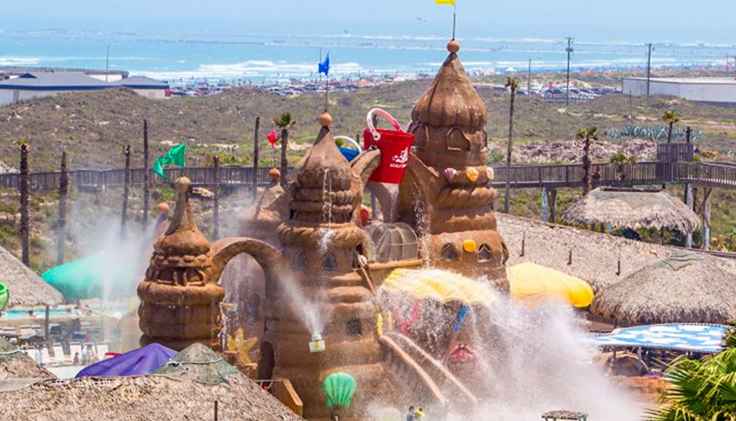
(711, 174)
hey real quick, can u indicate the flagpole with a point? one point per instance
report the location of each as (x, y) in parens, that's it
(454, 20)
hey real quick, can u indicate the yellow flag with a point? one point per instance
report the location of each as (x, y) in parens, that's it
(445, 2)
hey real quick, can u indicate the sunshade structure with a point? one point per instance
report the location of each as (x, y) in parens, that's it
(533, 283)
(439, 285)
(92, 277)
(138, 362)
(24, 286)
(172, 395)
(634, 209)
(674, 337)
(684, 288)
(16, 364)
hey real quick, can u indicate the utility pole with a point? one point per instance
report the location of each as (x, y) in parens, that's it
(107, 64)
(569, 51)
(216, 194)
(529, 79)
(649, 69)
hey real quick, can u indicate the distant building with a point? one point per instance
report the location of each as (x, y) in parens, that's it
(714, 90)
(24, 86)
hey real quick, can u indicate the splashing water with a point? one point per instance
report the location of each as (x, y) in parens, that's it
(526, 361)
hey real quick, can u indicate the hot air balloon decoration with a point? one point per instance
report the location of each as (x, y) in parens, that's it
(339, 389)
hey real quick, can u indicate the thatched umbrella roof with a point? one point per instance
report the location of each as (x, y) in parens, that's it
(173, 395)
(685, 287)
(634, 209)
(25, 286)
(16, 364)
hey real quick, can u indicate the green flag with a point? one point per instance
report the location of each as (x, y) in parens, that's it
(175, 156)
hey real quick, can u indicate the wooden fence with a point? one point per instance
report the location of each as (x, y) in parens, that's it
(711, 174)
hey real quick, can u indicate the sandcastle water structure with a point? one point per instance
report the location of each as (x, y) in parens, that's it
(323, 275)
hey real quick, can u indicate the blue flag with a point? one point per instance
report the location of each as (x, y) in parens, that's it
(324, 67)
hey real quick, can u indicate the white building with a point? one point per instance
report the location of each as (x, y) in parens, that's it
(40, 84)
(715, 90)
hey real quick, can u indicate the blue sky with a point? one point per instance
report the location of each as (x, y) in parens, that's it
(659, 20)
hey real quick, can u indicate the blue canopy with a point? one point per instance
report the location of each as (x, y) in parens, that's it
(138, 362)
(349, 153)
(707, 339)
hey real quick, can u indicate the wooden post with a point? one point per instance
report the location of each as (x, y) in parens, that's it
(216, 193)
(689, 200)
(256, 156)
(545, 205)
(61, 228)
(569, 258)
(146, 172)
(284, 161)
(126, 190)
(523, 244)
(706, 219)
(216, 414)
(25, 229)
(552, 205)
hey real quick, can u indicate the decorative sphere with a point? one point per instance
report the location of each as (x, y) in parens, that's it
(470, 246)
(274, 173)
(325, 119)
(453, 46)
(183, 184)
(472, 174)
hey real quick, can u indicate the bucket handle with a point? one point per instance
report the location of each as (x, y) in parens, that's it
(383, 113)
(351, 141)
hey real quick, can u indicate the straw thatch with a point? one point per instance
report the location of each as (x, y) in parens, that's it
(686, 288)
(634, 209)
(25, 286)
(175, 394)
(16, 364)
(594, 255)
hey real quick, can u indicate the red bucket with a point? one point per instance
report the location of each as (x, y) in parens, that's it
(394, 145)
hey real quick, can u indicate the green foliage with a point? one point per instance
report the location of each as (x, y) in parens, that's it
(701, 390)
(590, 133)
(621, 158)
(671, 117)
(284, 121)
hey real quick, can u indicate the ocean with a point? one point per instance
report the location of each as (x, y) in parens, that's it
(272, 58)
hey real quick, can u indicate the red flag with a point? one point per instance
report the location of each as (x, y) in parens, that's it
(273, 137)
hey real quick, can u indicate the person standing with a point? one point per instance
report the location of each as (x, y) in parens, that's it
(411, 415)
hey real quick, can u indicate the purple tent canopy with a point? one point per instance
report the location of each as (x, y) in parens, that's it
(138, 362)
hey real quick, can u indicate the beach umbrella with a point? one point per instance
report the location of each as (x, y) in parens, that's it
(138, 362)
(4, 296)
(530, 282)
(339, 389)
(87, 277)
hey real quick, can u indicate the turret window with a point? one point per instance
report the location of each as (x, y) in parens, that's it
(456, 141)
(353, 327)
(329, 263)
(484, 253)
(449, 252)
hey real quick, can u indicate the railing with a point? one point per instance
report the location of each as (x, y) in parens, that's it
(711, 174)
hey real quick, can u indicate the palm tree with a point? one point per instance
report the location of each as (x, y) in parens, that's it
(284, 122)
(513, 85)
(587, 135)
(701, 389)
(671, 118)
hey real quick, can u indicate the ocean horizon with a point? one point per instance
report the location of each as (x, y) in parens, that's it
(278, 58)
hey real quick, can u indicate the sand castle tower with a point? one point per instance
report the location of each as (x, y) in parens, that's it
(450, 169)
(320, 240)
(179, 296)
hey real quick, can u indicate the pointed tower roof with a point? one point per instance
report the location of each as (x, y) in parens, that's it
(451, 101)
(321, 192)
(183, 236)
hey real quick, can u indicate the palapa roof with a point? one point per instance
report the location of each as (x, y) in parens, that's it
(25, 286)
(173, 394)
(17, 365)
(634, 209)
(595, 255)
(686, 288)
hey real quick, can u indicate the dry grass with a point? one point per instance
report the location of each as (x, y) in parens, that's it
(25, 286)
